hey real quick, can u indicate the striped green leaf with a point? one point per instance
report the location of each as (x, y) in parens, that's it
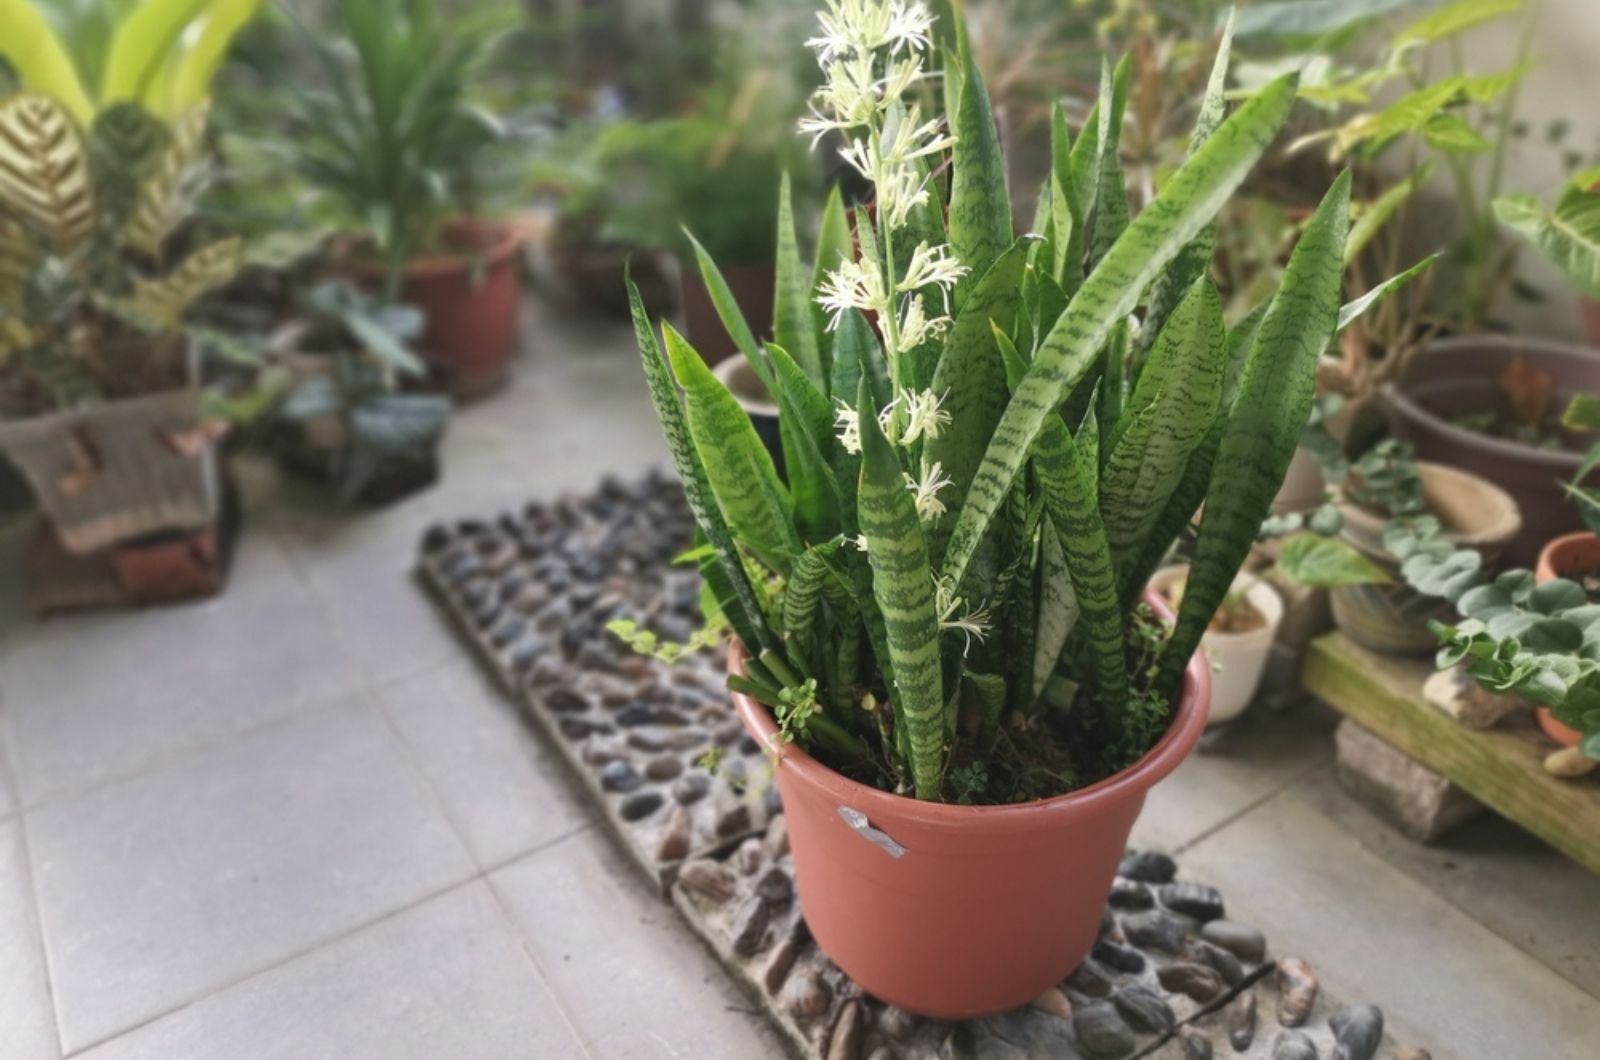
(1169, 413)
(739, 602)
(1194, 260)
(902, 585)
(1067, 482)
(1273, 404)
(1065, 219)
(972, 378)
(803, 595)
(737, 465)
(1111, 199)
(980, 211)
(1184, 206)
(806, 426)
(1058, 612)
(833, 246)
(793, 323)
(729, 312)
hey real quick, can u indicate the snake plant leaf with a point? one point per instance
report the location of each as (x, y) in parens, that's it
(803, 594)
(857, 355)
(1058, 612)
(729, 312)
(1168, 415)
(737, 598)
(1194, 260)
(42, 65)
(805, 424)
(1568, 236)
(44, 170)
(1067, 481)
(1180, 210)
(1111, 199)
(972, 379)
(980, 212)
(1066, 265)
(738, 467)
(189, 80)
(1273, 403)
(1352, 311)
(166, 298)
(833, 246)
(793, 326)
(163, 200)
(902, 585)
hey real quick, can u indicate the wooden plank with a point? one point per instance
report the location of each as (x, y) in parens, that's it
(1501, 767)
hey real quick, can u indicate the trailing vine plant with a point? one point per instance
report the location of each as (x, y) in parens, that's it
(991, 441)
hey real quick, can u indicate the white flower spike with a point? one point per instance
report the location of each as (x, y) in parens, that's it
(924, 416)
(853, 285)
(929, 506)
(848, 423)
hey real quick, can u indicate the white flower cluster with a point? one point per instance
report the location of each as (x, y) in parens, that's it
(872, 52)
(953, 614)
(913, 414)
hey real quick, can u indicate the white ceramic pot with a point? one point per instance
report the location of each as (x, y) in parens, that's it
(1237, 659)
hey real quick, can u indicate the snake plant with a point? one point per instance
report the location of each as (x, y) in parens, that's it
(991, 440)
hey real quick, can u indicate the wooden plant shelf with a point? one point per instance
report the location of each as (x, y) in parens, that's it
(1500, 767)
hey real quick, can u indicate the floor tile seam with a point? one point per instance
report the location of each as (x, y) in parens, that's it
(342, 935)
(513, 925)
(1252, 806)
(180, 755)
(36, 916)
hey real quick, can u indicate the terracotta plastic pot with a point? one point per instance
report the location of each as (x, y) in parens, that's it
(1392, 618)
(1457, 376)
(1565, 555)
(961, 911)
(1238, 659)
(752, 287)
(471, 295)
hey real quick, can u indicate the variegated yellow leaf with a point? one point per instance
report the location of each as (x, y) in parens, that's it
(44, 173)
(165, 300)
(163, 198)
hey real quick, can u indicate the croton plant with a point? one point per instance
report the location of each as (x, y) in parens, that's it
(991, 440)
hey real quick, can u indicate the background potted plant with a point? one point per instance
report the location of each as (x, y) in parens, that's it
(939, 618)
(343, 418)
(99, 387)
(398, 151)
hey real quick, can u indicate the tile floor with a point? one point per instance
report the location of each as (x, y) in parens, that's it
(295, 822)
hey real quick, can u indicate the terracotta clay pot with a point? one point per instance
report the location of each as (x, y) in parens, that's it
(1392, 618)
(1457, 376)
(1567, 554)
(471, 295)
(961, 911)
(752, 287)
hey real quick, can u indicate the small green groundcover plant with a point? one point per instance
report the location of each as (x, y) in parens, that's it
(991, 441)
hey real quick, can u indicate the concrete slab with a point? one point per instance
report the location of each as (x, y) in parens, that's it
(1374, 933)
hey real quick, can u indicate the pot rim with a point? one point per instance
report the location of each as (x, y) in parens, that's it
(503, 240)
(1497, 535)
(1399, 401)
(1556, 546)
(1188, 722)
(1263, 596)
